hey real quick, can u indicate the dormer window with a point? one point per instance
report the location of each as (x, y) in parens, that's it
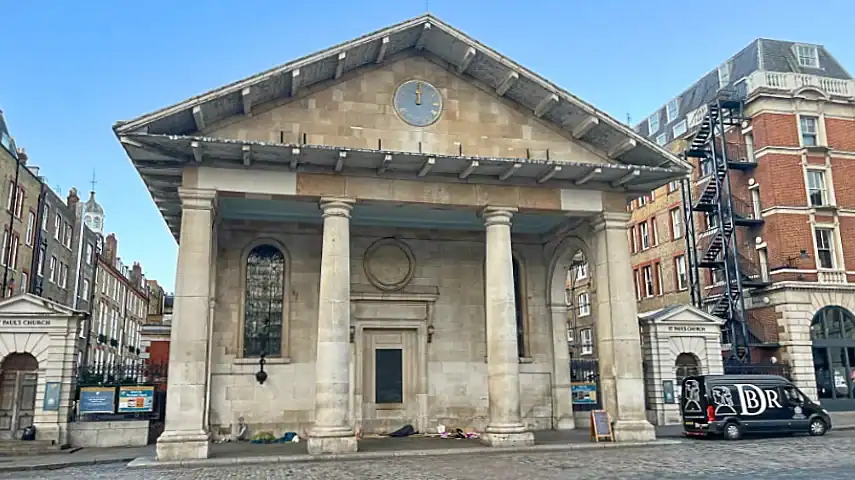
(653, 123)
(723, 75)
(807, 56)
(672, 109)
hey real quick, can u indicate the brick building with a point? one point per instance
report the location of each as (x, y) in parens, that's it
(788, 161)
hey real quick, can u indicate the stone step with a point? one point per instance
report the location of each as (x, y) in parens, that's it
(15, 448)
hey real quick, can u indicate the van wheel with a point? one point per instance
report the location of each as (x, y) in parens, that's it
(817, 427)
(732, 431)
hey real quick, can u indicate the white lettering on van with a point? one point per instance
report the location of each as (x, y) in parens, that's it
(752, 399)
(772, 398)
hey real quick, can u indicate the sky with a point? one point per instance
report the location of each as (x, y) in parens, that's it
(72, 69)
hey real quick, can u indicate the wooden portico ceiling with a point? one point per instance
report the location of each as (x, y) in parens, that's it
(161, 143)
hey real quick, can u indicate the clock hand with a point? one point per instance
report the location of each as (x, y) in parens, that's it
(419, 94)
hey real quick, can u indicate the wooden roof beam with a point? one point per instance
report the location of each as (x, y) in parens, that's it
(588, 176)
(295, 81)
(507, 83)
(548, 175)
(199, 117)
(339, 68)
(470, 169)
(626, 178)
(384, 46)
(509, 171)
(246, 96)
(420, 44)
(246, 150)
(545, 105)
(621, 148)
(467, 60)
(584, 127)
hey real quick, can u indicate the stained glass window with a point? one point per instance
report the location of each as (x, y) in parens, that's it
(265, 280)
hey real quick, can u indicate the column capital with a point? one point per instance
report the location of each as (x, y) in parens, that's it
(336, 206)
(497, 215)
(610, 220)
(197, 198)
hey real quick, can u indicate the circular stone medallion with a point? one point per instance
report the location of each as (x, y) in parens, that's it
(389, 264)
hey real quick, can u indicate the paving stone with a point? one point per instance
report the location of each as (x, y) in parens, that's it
(827, 457)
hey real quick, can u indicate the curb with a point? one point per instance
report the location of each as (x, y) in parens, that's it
(61, 465)
(149, 462)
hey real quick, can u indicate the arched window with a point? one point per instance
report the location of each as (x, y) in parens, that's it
(519, 295)
(264, 302)
(686, 365)
(833, 323)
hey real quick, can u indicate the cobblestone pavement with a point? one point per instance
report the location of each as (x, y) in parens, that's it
(827, 457)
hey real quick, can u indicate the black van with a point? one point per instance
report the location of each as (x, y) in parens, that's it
(734, 405)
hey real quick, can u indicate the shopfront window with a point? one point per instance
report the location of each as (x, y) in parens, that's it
(833, 333)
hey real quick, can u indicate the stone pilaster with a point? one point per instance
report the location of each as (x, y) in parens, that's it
(332, 431)
(505, 427)
(185, 436)
(618, 342)
(562, 399)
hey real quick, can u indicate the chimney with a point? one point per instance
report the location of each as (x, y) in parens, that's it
(72, 199)
(111, 248)
(22, 156)
(136, 275)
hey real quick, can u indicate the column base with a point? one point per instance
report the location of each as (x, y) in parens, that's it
(182, 445)
(322, 445)
(634, 431)
(566, 423)
(518, 439)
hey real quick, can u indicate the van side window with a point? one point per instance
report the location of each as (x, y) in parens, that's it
(793, 396)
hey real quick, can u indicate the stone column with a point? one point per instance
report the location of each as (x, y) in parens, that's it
(505, 427)
(618, 341)
(333, 431)
(562, 398)
(185, 436)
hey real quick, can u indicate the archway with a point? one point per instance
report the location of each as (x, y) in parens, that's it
(686, 365)
(18, 381)
(832, 331)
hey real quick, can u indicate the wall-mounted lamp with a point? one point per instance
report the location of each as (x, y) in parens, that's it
(803, 255)
(261, 375)
(430, 331)
(352, 334)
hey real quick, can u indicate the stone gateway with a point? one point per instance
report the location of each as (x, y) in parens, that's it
(389, 224)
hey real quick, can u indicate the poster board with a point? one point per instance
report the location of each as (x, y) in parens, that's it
(97, 400)
(584, 393)
(601, 426)
(134, 399)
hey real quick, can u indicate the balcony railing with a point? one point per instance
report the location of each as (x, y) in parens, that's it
(792, 81)
(832, 276)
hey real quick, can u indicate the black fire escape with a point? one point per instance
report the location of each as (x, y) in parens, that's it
(708, 200)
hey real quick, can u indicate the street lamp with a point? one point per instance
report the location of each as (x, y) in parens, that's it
(261, 375)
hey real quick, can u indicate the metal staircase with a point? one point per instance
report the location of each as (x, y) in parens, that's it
(709, 200)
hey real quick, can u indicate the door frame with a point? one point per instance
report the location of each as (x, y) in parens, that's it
(419, 383)
(15, 429)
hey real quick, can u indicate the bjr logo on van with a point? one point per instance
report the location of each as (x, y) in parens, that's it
(754, 400)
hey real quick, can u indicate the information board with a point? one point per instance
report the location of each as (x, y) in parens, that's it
(584, 393)
(51, 401)
(668, 391)
(97, 400)
(136, 399)
(601, 426)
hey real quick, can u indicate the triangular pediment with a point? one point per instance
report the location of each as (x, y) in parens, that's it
(680, 315)
(432, 39)
(31, 305)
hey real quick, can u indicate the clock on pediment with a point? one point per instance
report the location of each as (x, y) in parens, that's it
(418, 103)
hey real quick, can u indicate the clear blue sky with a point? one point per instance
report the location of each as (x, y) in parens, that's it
(71, 69)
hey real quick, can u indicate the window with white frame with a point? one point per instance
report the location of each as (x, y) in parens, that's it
(581, 271)
(647, 274)
(31, 225)
(654, 231)
(633, 244)
(673, 186)
(85, 290)
(723, 74)
(808, 129)
(659, 278)
(671, 110)
(642, 200)
(52, 269)
(571, 336)
(676, 223)
(680, 128)
(817, 192)
(584, 304)
(680, 268)
(825, 247)
(586, 335)
(57, 227)
(644, 233)
(637, 281)
(653, 123)
(662, 140)
(712, 220)
(25, 282)
(807, 56)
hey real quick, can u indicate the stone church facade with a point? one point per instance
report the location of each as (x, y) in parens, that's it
(388, 224)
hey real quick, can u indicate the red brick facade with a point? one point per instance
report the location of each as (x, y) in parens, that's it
(159, 352)
(789, 218)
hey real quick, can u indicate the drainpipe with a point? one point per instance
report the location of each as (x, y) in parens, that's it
(209, 350)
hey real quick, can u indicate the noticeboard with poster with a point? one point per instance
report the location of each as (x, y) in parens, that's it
(601, 426)
(134, 399)
(584, 393)
(97, 400)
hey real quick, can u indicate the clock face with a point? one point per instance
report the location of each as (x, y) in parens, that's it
(418, 103)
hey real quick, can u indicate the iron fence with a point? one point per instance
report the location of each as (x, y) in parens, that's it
(585, 379)
(103, 374)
